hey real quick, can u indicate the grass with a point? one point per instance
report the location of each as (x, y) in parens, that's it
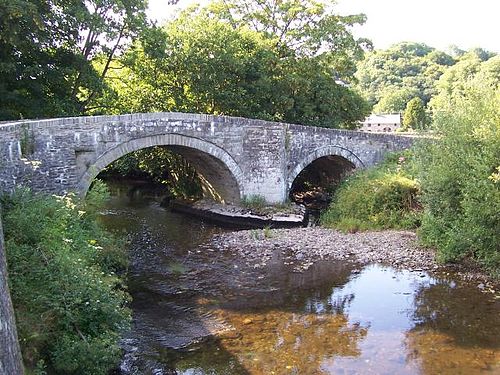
(383, 197)
(258, 205)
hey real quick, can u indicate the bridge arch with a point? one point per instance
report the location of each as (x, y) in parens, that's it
(214, 163)
(344, 157)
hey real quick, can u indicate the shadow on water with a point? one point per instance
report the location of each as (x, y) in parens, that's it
(457, 323)
(448, 308)
(201, 311)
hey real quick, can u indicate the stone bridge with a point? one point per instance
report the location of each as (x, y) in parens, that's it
(239, 157)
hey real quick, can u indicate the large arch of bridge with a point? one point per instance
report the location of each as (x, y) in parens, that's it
(210, 160)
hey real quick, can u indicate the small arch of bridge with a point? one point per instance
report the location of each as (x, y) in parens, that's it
(320, 153)
(211, 161)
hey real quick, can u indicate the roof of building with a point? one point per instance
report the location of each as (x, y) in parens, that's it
(392, 118)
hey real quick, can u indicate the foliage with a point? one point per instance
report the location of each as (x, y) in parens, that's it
(403, 70)
(254, 202)
(224, 60)
(459, 174)
(206, 67)
(394, 100)
(302, 28)
(46, 50)
(161, 166)
(414, 116)
(456, 80)
(383, 197)
(69, 301)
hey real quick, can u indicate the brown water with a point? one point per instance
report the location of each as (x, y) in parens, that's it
(201, 311)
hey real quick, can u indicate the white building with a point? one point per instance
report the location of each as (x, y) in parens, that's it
(381, 123)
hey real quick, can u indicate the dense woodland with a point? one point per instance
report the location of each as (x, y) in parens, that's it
(294, 61)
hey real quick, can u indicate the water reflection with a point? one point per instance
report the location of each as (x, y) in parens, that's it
(201, 311)
(457, 330)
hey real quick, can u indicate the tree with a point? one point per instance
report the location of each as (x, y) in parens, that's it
(47, 48)
(456, 80)
(198, 64)
(10, 352)
(405, 66)
(209, 60)
(414, 116)
(394, 100)
(303, 28)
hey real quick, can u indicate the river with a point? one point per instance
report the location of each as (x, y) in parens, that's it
(201, 311)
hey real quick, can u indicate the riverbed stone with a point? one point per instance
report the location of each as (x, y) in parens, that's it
(303, 247)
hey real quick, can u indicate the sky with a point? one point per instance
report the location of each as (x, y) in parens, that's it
(438, 23)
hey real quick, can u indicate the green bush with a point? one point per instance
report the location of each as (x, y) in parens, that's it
(69, 301)
(254, 202)
(459, 174)
(378, 198)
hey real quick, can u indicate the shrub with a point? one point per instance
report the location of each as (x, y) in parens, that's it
(254, 202)
(69, 301)
(459, 171)
(379, 198)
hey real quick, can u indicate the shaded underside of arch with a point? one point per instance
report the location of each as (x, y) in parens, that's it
(211, 161)
(327, 151)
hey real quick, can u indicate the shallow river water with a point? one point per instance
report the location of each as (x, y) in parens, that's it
(201, 311)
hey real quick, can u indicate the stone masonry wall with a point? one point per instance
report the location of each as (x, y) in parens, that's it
(259, 157)
(305, 144)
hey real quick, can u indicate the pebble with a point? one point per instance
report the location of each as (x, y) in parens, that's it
(302, 247)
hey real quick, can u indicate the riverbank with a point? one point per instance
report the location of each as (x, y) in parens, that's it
(302, 247)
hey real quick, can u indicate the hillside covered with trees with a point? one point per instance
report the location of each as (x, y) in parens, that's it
(415, 79)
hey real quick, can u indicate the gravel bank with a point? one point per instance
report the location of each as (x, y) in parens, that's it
(301, 247)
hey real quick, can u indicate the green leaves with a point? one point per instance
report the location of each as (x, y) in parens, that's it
(386, 196)
(282, 61)
(68, 301)
(47, 48)
(455, 83)
(414, 116)
(277, 60)
(405, 69)
(461, 198)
